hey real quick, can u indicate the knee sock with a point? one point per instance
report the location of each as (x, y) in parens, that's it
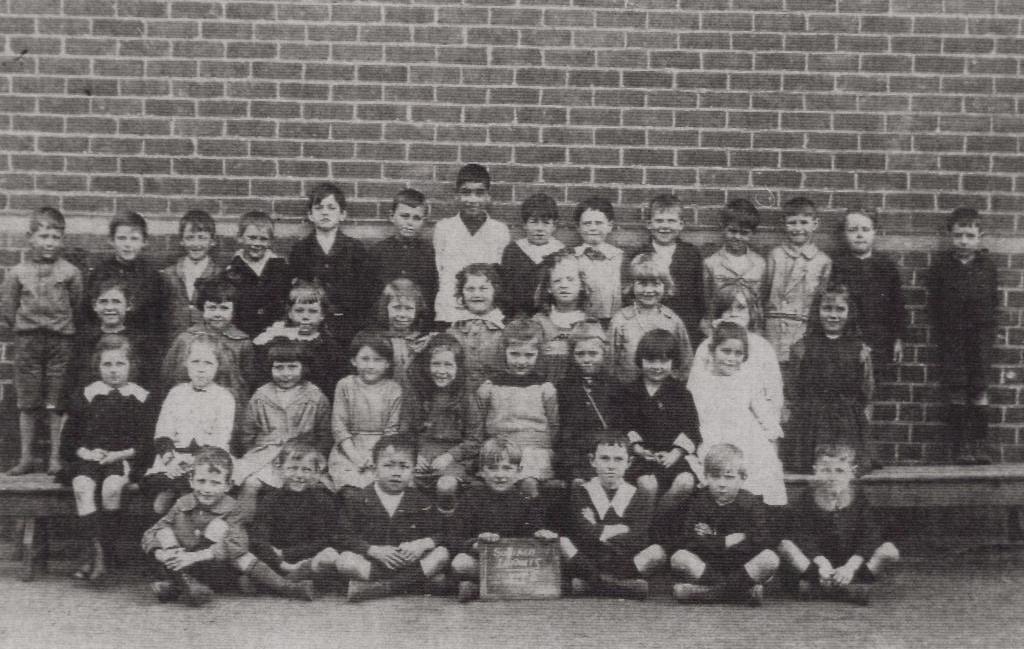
(581, 567)
(710, 577)
(737, 582)
(90, 526)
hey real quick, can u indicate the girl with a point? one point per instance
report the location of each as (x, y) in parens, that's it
(521, 405)
(838, 549)
(106, 432)
(443, 415)
(737, 304)
(834, 383)
(288, 407)
(401, 310)
(561, 301)
(650, 283)
(198, 413)
(305, 323)
(366, 407)
(734, 410)
(111, 306)
(478, 323)
(661, 422)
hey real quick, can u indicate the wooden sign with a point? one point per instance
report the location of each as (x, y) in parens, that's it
(520, 569)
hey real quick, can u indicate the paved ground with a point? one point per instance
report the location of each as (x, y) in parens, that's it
(974, 600)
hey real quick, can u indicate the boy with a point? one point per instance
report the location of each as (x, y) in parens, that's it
(389, 533)
(405, 253)
(339, 262)
(683, 261)
(837, 547)
(585, 399)
(601, 261)
(146, 287)
(261, 276)
(202, 540)
(521, 261)
(607, 545)
(494, 511)
(796, 272)
(38, 301)
(963, 299)
(197, 234)
(722, 544)
(469, 237)
(735, 262)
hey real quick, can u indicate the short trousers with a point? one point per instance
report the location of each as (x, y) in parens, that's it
(41, 360)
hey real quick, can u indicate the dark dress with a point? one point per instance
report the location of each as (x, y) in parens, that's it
(659, 419)
(834, 384)
(586, 406)
(877, 294)
(687, 271)
(962, 304)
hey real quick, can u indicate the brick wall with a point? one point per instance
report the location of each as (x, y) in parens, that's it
(910, 106)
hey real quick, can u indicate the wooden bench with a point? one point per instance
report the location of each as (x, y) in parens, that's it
(35, 499)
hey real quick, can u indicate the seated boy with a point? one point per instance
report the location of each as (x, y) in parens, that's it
(495, 510)
(388, 533)
(607, 546)
(722, 546)
(294, 522)
(836, 546)
(200, 541)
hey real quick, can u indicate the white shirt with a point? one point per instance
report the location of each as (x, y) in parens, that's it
(390, 501)
(455, 248)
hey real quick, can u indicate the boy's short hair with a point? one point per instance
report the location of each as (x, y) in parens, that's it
(796, 205)
(596, 203)
(197, 220)
(609, 437)
(499, 448)
(114, 284)
(409, 197)
(215, 459)
(835, 450)
(646, 266)
(870, 214)
(402, 443)
(295, 449)
(741, 212)
(215, 289)
(657, 345)
(128, 219)
(490, 271)
(286, 350)
(111, 342)
(725, 297)
(664, 203)
(730, 331)
(46, 217)
(322, 191)
(963, 216)
(401, 287)
(257, 218)
(375, 340)
(473, 173)
(539, 206)
(520, 331)
(588, 329)
(724, 456)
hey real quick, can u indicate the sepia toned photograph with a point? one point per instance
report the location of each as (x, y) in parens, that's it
(511, 323)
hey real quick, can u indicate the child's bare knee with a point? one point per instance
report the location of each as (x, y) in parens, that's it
(81, 484)
(324, 561)
(766, 563)
(648, 484)
(567, 547)
(649, 559)
(447, 485)
(252, 484)
(788, 550)
(464, 565)
(683, 484)
(888, 552)
(111, 491)
(686, 562)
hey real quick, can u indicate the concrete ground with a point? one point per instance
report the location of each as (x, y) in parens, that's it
(970, 600)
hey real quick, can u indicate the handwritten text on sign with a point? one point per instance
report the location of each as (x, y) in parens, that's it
(520, 569)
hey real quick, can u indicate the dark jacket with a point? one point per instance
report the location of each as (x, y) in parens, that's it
(298, 523)
(509, 515)
(687, 271)
(877, 292)
(365, 522)
(262, 299)
(346, 273)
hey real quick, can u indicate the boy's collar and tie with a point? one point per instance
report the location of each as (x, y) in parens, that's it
(807, 251)
(599, 252)
(602, 503)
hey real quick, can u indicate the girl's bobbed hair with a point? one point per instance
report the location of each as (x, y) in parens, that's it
(401, 288)
(490, 271)
(646, 267)
(730, 331)
(834, 290)
(113, 342)
(419, 370)
(542, 297)
(726, 296)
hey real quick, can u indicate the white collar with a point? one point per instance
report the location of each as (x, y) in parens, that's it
(258, 266)
(538, 253)
(390, 501)
(599, 497)
(493, 317)
(98, 388)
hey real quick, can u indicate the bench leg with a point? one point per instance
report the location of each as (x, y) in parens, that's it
(35, 547)
(1014, 533)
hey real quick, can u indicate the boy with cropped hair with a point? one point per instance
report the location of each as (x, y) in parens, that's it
(602, 262)
(261, 276)
(406, 254)
(38, 302)
(197, 234)
(201, 541)
(735, 262)
(522, 259)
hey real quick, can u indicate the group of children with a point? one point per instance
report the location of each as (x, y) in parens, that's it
(401, 376)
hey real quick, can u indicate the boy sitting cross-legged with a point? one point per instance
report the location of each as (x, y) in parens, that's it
(607, 546)
(388, 532)
(201, 540)
(497, 509)
(722, 546)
